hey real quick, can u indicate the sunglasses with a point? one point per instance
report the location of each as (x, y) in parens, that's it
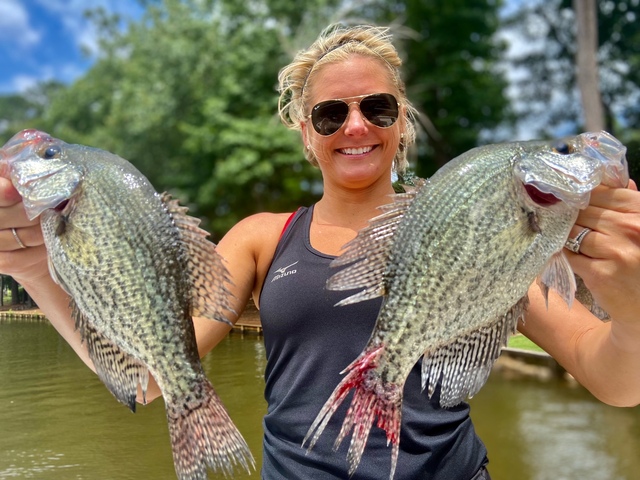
(380, 109)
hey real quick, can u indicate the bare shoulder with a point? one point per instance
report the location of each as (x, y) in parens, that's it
(248, 249)
(260, 227)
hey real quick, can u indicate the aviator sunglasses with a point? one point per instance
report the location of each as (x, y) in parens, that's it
(380, 109)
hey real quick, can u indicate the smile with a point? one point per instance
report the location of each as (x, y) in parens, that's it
(355, 151)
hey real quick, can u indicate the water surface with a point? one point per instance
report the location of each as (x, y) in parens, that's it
(58, 422)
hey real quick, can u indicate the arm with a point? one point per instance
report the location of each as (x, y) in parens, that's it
(247, 250)
(602, 356)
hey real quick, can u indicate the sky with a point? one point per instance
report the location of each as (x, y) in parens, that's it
(44, 39)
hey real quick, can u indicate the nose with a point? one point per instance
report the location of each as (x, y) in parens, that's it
(355, 124)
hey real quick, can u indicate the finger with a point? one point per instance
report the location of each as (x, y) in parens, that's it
(21, 260)
(619, 199)
(588, 243)
(15, 216)
(8, 194)
(26, 236)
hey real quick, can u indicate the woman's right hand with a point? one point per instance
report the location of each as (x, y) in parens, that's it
(23, 264)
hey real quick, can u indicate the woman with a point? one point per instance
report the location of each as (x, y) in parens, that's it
(282, 261)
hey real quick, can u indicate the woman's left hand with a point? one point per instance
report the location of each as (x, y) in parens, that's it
(609, 258)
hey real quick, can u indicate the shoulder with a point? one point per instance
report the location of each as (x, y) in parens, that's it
(258, 227)
(248, 249)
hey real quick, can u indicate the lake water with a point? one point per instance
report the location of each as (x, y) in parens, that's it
(58, 422)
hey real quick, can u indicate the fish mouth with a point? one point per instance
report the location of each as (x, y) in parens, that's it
(61, 206)
(541, 198)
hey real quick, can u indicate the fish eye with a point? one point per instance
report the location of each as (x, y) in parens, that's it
(563, 148)
(52, 151)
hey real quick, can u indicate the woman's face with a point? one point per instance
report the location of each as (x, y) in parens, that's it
(359, 153)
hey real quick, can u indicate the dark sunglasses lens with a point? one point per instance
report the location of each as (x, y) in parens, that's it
(327, 117)
(380, 109)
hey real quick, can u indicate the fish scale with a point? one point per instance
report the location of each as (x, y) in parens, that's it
(454, 260)
(137, 268)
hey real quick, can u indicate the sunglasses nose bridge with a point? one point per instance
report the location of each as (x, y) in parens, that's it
(350, 110)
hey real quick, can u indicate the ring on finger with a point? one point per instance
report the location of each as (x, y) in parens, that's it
(17, 238)
(573, 244)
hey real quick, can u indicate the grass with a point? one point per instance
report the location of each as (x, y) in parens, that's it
(522, 342)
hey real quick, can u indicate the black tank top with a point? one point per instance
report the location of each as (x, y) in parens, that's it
(308, 342)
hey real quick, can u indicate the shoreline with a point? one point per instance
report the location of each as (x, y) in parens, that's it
(513, 363)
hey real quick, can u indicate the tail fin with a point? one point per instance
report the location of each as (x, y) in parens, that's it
(371, 399)
(203, 435)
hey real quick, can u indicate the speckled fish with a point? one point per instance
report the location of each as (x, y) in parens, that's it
(453, 261)
(137, 268)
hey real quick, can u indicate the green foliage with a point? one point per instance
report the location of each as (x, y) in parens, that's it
(523, 343)
(450, 70)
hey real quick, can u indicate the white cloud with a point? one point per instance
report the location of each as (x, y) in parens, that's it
(14, 24)
(22, 83)
(72, 16)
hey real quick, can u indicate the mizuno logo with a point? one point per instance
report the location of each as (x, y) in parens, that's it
(284, 271)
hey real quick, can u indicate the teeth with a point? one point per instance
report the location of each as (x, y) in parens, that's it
(356, 151)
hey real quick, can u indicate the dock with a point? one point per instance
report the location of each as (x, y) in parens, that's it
(249, 321)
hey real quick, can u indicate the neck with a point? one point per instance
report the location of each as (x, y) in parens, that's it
(352, 208)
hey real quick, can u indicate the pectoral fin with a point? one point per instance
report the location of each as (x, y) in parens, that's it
(119, 371)
(557, 274)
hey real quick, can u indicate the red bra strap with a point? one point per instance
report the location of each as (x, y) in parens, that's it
(284, 229)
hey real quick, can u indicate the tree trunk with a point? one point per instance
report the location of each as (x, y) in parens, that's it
(15, 292)
(587, 65)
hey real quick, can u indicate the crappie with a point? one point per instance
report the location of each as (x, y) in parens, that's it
(454, 260)
(137, 268)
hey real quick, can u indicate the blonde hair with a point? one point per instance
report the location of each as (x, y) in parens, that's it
(336, 43)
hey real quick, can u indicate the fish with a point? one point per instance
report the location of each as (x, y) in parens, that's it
(453, 260)
(137, 267)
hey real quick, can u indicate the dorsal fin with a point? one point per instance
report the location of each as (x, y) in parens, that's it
(207, 274)
(369, 253)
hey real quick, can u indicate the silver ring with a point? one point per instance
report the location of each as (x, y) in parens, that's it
(15, 235)
(573, 244)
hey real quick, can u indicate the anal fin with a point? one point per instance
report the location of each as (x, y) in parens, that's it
(463, 366)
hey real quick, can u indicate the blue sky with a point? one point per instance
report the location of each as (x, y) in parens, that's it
(44, 39)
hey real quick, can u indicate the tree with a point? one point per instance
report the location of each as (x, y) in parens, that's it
(187, 94)
(451, 53)
(587, 65)
(547, 85)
